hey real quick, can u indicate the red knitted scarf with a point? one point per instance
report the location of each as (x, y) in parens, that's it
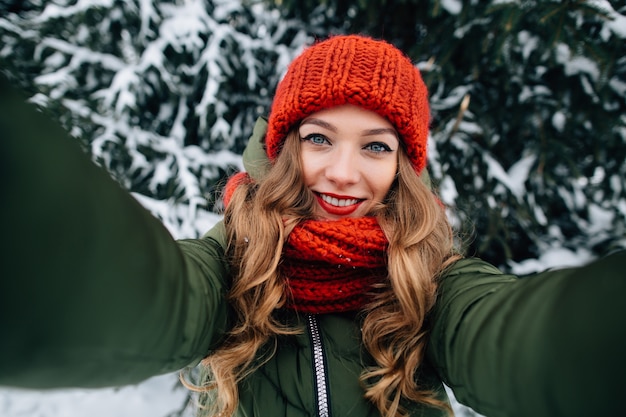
(331, 265)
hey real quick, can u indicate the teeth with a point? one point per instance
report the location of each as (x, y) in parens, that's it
(339, 203)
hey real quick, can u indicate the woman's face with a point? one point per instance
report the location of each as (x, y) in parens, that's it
(349, 159)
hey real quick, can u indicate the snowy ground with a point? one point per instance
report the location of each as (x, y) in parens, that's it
(156, 397)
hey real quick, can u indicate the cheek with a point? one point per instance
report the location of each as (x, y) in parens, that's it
(381, 178)
(309, 169)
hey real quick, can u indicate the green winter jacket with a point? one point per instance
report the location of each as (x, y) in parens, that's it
(95, 292)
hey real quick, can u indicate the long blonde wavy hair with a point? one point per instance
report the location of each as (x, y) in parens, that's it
(393, 330)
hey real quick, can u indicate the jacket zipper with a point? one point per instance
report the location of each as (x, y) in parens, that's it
(319, 367)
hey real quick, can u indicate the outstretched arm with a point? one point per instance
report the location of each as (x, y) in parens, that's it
(93, 289)
(547, 345)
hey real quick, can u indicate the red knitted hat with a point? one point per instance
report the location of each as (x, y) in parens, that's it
(356, 70)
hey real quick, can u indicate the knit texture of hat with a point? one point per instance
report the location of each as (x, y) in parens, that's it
(356, 70)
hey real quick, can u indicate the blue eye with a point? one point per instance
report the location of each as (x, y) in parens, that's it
(378, 147)
(316, 139)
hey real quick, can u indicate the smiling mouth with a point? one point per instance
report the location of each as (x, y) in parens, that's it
(338, 202)
(338, 206)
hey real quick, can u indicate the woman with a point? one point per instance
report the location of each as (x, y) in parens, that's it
(351, 155)
(332, 289)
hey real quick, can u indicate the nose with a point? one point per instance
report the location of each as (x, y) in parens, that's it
(343, 167)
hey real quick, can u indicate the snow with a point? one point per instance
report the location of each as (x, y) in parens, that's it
(125, 98)
(618, 25)
(515, 177)
(618, 85)
(558, 120)
(55, 11)
(155, 397)
(550, 258)
(452, 6)
(529, 43)
(617, 22)
(529, 93)
(447, 190)
(575, 64)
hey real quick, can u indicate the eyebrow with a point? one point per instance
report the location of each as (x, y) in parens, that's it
(381, 131)
(367, 132)
(320, 123)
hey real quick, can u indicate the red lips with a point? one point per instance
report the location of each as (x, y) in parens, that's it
(337, 210)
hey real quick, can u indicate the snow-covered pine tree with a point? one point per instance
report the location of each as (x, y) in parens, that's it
(527, 97)
(540, 150)
(163, 93)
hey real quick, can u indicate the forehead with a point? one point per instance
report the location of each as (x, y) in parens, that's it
(352, 117)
